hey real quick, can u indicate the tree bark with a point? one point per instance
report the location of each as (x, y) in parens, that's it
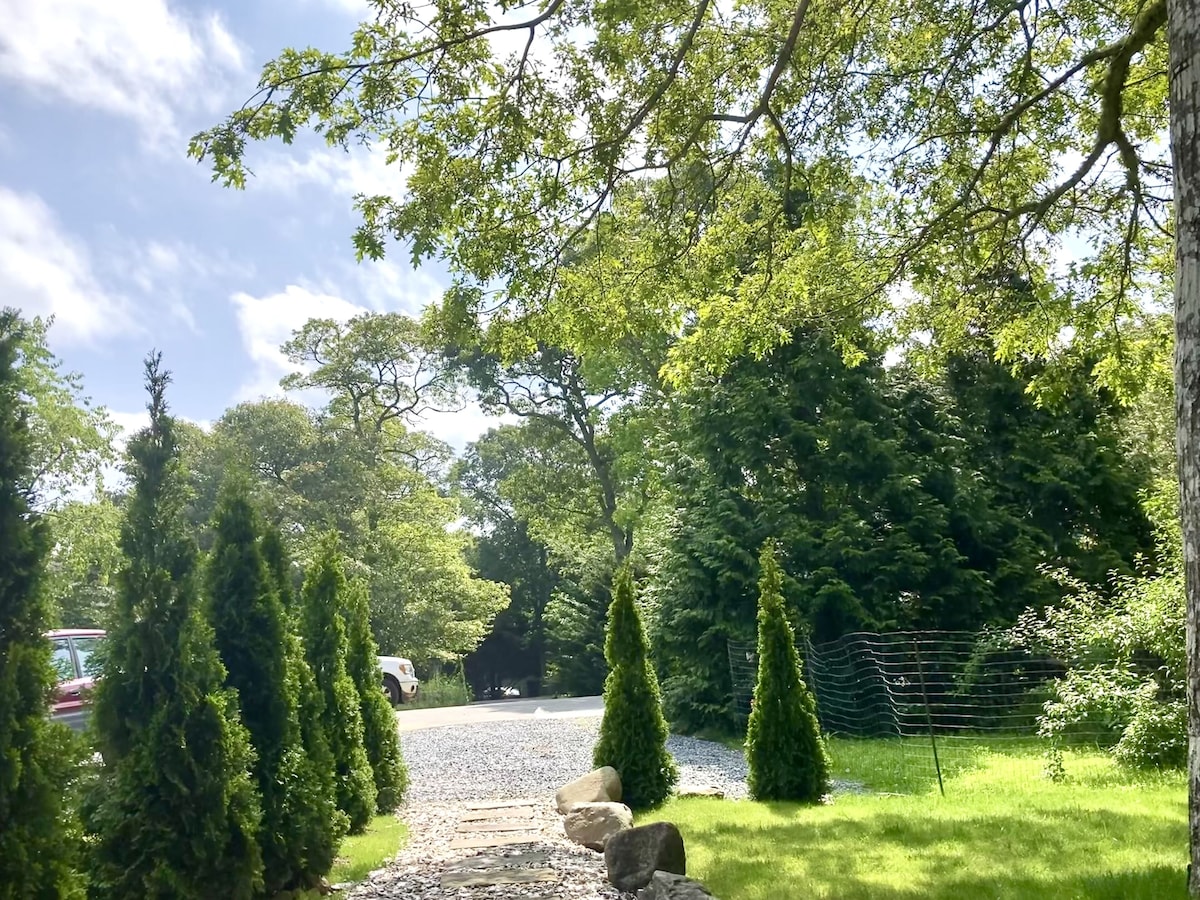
(1183, 28)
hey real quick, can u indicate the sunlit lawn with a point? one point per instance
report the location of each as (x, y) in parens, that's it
(1003, 830)
(361, 854)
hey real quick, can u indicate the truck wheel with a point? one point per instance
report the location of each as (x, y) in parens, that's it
(391, 687)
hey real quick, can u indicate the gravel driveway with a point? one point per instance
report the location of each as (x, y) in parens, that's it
(516, 759)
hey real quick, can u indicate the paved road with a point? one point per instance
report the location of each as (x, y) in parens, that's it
(499, 710)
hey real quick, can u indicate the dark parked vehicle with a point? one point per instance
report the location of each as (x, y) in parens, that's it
(76, 670)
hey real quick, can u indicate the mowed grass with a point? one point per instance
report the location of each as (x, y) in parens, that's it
(362, 854)
(1003, 830)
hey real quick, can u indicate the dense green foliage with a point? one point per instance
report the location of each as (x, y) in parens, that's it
(325, 649)
(897, 502)
(174, 812)
(251, 632)
(326, 823)
(381, 738)
(784, 751)
(633, 732)
(38, 836)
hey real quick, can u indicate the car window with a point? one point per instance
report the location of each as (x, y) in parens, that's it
(89, 661)
(64, 667)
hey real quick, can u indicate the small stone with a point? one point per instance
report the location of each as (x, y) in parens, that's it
(592, 824)
(701, 790)
(634, 855)
(669, 886)
(600, 786)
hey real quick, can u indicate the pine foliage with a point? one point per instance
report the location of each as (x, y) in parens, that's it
(784, 750)
(633, 732)
(37, 837)
(380, 735)
(174, 812)
(325, 649)
(251, 631)
(327, 829)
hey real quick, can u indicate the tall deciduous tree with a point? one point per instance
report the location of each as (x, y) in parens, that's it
(784, 751)
(381, 737)
(633, 732)
(325, 647)
(174, 812)
(36, 758)
(993, 131)
(252, 636)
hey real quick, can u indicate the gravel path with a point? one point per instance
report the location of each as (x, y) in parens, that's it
(453, 765)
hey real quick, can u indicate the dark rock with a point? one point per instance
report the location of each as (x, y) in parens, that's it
(633, 856)
(669, 886)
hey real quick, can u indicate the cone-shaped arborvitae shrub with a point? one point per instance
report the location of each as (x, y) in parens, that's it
(324, 835)
(784, 750)
(36, 757)
(325, 649)
(174, 812)
(633, 732)
(380, 734)
(252, 636)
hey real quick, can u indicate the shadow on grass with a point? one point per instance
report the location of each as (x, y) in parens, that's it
(897, 848)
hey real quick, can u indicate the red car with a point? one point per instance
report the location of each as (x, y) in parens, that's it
(73, 649)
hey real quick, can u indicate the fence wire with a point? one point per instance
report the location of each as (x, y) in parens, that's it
(941, 695)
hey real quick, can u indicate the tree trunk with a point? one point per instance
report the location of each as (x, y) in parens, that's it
(1183, 27)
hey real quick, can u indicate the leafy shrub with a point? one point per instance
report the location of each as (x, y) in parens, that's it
(440, 689)
(784, 751)
(633, 732)
(1125, 681)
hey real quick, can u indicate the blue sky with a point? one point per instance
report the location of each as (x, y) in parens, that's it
(106, 224)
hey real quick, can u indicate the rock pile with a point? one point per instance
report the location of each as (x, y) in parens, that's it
(649, 859)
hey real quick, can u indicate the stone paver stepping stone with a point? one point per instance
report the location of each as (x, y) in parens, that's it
(496, 861)
(502, 812)
(502, 876)
(496, 825)
(479, 841)
(503, 804)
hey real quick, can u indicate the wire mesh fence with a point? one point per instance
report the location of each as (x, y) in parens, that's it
(944, 698)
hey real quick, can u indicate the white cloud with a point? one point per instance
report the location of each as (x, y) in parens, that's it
(139, 59)
(45, 271)
(266, 322)
(388, 286)
(360, 170)
(460, 427)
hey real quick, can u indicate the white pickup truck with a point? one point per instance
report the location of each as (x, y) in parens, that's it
(399, 679)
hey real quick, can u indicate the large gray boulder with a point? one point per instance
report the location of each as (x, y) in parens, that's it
(601, 786)
(633, 856)
(592, 824)
(669, 886)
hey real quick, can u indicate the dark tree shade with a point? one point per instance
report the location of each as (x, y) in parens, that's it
(37, 839)
(174, 812)
(784, 750)
(341, 717)
(380, 734)
(252, 637)
(633, 732)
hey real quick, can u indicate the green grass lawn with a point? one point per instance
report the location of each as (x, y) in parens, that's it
(362, 854)
(1002, 831)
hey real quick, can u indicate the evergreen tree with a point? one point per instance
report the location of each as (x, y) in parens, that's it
(251, 631)
(633, 732)
(326, 833)
(380, 734)
(174, 812)
(784, 750)
(341, 717)
(37, 757)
